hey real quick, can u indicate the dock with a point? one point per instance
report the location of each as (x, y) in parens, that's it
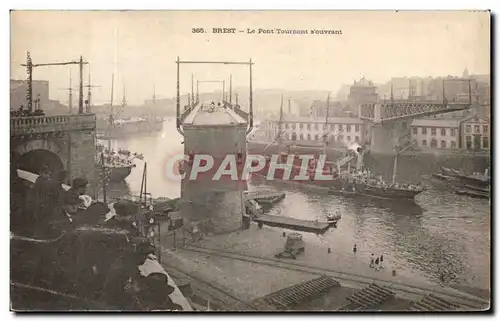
(293, 223)
(264, 197)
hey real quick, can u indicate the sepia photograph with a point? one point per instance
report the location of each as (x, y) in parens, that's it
(250, 161)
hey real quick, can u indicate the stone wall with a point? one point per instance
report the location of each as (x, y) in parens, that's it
(82, 156)
(215, 212)
(214, 204)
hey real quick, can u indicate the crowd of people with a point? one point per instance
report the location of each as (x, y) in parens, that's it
(47, 210)
(22, 112)
(48, 205)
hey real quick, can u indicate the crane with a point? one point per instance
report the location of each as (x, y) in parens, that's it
(29, 70)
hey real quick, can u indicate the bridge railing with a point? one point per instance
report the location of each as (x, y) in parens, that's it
(187, 111)
(47, 124)
(243, 114)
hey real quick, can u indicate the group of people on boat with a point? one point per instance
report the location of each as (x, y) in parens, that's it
(121, 158)
(368, 179)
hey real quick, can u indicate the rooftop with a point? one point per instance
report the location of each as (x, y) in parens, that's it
(206, 115)
(331, 120)
(435, 122)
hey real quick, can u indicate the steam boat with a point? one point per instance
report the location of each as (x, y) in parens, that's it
(358, 182)
(117, 165)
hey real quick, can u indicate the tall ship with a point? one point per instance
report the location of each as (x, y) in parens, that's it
(127, 126)
(351, 182)
(117, 165)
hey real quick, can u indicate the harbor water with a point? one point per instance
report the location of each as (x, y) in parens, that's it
(442, 237)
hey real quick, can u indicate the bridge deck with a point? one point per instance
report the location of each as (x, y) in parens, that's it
(203, 115)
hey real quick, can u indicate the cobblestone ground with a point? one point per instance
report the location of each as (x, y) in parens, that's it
(244, 280)
(267, 242)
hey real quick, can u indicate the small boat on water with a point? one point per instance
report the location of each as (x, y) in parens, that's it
(472, 193)
(117, 165)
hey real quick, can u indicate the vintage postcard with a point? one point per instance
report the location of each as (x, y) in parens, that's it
(250, 161)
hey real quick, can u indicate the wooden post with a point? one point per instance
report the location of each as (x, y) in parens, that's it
(104, 178)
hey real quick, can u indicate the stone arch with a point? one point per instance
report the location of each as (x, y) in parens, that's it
(33, 155)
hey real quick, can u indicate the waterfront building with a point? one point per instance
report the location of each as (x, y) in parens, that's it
(471, 132)
(436, 133)
(308, 130)
(475, 132)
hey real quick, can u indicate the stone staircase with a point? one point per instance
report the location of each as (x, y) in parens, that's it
(369, 297)
(433, 303)
(294, 295)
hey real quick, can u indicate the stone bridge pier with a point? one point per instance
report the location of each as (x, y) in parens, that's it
(214, 203)
(386, 137)
(58, 142)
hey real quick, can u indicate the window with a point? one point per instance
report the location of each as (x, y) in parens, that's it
(443, 131)
(332, 126)
(340, 138)
(286, 136)
(348, 138)
(485, 128)
(476, 128)
(301, 136)
(452, 132)
(467, 129)
(316, 126)
(286, 125)
(415, 130)
(293, 125)
(424, 131)
(308, 136)
(443, 144)
(325, 126)
(316, 137)
(468, 142)
(356, 139)
(424, 143)
(301, 126)
(348, 128)
(340, 127)
(433, 131)
(294, 136)
(453, 144)
(486, 143)
(434, 143)
(308, 126)
(356, 128)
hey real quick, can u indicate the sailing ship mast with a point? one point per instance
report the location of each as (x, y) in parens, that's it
(280, 124)
(325, 134)
(111, 120)
(70, 99)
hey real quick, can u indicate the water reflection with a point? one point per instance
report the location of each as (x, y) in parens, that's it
(441, 234)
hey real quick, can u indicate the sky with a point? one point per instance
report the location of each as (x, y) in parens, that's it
(140, 48)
